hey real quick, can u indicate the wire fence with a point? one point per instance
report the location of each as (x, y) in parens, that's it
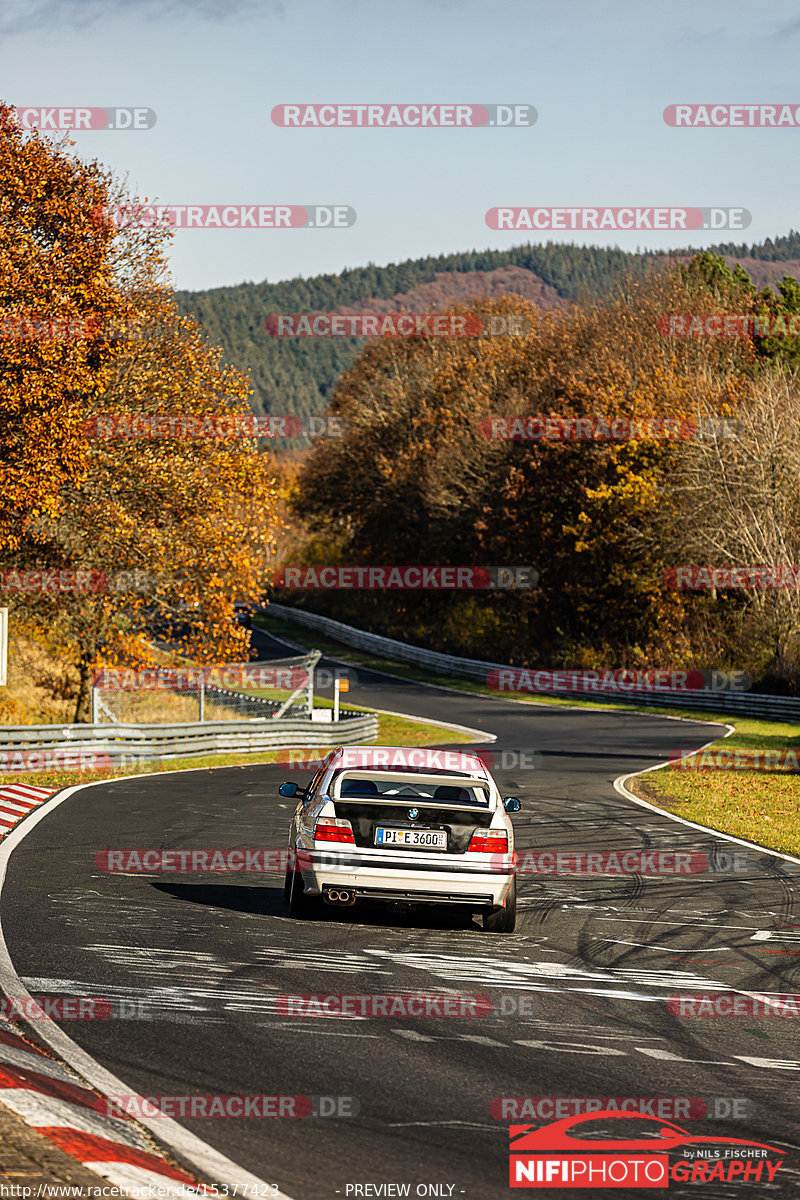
(280, 688)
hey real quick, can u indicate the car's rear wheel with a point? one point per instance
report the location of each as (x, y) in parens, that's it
(503, 920)
(300, 905)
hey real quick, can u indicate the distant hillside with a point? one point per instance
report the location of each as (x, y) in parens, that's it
(456, 287)
(297, 375)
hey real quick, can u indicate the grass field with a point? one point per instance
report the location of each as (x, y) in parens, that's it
(761, 806)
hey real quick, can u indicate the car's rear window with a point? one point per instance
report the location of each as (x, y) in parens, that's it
(346, 786)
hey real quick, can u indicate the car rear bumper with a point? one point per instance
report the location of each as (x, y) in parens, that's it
(423, 882)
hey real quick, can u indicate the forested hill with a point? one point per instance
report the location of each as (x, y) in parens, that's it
(297, 375)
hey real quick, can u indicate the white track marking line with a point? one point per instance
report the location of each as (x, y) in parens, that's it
(619, 785)
(671, 949)
(185, 1145)
(668, 1056)
(481, 734)
(621, 781)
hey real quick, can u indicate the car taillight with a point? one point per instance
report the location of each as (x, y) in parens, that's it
(333, 829)
(488, 843)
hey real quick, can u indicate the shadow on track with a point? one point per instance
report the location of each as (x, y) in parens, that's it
(269, 902)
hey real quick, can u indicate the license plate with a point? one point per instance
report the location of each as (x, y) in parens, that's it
(420, 839)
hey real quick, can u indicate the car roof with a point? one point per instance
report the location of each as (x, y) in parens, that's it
(422, 759)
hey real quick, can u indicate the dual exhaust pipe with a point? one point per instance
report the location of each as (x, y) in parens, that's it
(344, 896)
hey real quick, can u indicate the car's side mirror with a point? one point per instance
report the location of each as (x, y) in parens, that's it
(289, 790)
(511, 804)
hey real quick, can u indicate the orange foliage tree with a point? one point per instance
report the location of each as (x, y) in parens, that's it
(180, 525)
(57, 283)
(415, 479)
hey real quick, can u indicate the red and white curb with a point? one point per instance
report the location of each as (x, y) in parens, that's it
(16, 800)
(56, 1101)
(50, 1099)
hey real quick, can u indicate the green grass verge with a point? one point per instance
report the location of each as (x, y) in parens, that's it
(759, 806)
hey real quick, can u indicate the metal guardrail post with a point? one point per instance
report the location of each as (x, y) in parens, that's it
(201, 697)
(310, 691)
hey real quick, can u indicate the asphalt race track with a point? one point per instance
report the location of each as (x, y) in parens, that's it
(580, 990)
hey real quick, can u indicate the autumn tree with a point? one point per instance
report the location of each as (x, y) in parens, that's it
(56, 280)
(737, 503)
(174, 525)
(415, 479)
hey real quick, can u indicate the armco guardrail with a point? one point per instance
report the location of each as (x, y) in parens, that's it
(21, 745)
(750, 704)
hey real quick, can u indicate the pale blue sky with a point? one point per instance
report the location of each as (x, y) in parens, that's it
(599, 73)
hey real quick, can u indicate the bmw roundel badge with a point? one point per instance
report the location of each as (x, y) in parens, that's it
(413, 813)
